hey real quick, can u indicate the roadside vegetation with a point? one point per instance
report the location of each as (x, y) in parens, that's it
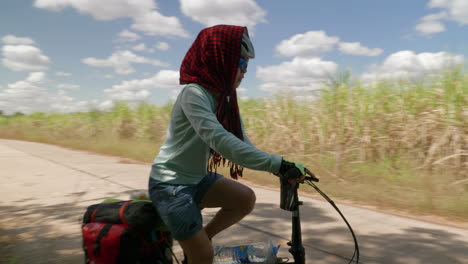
(401, 145)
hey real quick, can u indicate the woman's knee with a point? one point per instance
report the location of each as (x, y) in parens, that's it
(230, 195)
(249, 199)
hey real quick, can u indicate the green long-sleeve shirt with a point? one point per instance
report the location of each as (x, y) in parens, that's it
(193, 130)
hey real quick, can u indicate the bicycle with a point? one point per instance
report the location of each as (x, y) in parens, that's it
(289, 201)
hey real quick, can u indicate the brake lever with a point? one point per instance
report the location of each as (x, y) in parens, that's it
(311, 176)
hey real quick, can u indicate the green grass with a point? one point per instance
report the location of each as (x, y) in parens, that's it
(12, 260)
(392, 144)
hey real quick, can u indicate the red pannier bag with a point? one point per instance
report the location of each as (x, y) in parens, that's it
(117, 232)
(105, 243)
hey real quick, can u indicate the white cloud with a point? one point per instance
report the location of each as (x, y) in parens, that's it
(165, 79)
(162, 46)
(122, 62)
(62, 103)
(312, 43)
(105, 105)
(142, 47)
(355, 48)
(137, 90)
(435, 16)
(36, 77)
(144, 13)
(457, 10)
(212, 12)
(100, 10)
(300, 74)
(430, 24)
(153, 23)
(430, 27)
(24, 58)
(28, 96)
(20, 96)
(13, 40)
(307, 71)
(242, 93)
(241, 90)
(409, 65)
(128, 36)
(63, 74)
(129, 96)
(68, 86)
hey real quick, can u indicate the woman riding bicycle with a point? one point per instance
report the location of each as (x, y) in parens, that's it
(206, 130)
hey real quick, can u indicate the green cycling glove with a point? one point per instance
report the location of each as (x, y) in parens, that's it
(291, 170)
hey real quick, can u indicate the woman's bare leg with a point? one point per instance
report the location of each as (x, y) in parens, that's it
(235, 199)
(198, 248)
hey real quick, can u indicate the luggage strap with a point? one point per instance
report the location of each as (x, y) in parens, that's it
(121, 213)
(102, 233)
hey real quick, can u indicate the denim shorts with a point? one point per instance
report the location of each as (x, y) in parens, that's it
(178, 204)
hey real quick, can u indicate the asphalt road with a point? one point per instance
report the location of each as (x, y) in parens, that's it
(45, 190)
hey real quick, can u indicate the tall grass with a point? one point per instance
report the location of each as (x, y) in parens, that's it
(400, 144)
(122, 131)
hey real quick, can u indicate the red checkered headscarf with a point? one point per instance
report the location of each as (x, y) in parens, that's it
(212, 62)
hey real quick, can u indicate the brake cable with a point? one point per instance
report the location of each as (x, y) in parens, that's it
(310, 181)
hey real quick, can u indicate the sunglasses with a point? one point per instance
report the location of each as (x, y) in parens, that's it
(243, 63)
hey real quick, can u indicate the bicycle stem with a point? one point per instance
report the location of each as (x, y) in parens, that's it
(296, 248)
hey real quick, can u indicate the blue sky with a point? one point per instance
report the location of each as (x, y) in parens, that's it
(73, 55)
